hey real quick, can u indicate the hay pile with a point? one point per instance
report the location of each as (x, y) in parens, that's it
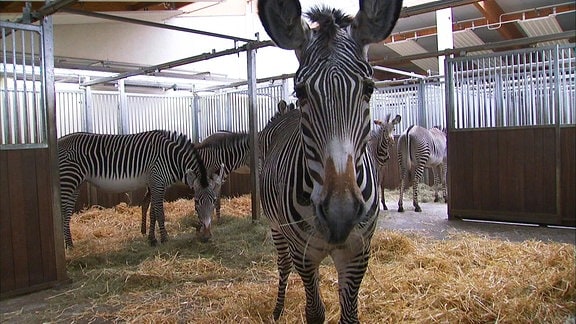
(118, 277)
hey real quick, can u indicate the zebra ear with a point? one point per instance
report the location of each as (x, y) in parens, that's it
(282, 20)
(190, 178)
(375, 20)
(396, 120)
(282, 106)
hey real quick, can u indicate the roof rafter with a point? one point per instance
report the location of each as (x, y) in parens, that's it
(493, 12)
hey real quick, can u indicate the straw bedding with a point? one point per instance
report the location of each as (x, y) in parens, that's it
(470, 279)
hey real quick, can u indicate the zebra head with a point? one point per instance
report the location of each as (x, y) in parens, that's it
(333, 84)
(383, 138)
(205, 196)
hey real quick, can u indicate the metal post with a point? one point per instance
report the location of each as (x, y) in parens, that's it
(49, 94)
(253, 119)
(88, 109)
(122, 109)
(195, 120)
(557, 96)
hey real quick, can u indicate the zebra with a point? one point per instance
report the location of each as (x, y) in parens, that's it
(379, 143)
(121, 163)
(222, 153)
(318, 185)
(420, 148)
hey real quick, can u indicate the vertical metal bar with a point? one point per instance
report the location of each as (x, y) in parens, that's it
(50, 104)
(4, 116)
(253, 118)
(122, 108)
(558, 143)
(25, 131)
(195, 107)
(36, 122)
(88, 110)
(13, 113)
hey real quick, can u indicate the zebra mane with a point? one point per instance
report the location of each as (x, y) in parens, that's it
(183, 143)
(221, 138)
(329, 20)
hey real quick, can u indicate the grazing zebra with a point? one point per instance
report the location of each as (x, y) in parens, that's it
(380, 141)
(420, 148)
(121, 163)
(318, 185)
(222, 153)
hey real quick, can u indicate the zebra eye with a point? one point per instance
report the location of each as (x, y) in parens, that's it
(368, 89)
(301, 94)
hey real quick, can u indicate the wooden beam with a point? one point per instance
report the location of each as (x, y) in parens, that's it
(493, 12)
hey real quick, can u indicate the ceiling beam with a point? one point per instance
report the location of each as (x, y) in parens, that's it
(493, 12)
(526, 41)
(153, 24)
(433, 6)
(483, 22)
(184, 61)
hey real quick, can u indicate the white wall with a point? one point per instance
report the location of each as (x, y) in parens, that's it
(130, 43)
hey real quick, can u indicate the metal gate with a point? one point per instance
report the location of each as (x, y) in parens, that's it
(32, 255)
(511, 136)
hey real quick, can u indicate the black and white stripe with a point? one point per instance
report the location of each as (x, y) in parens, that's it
(318, 184)
(420, 148)
(379, 144)
(222, 153)
(121, 163)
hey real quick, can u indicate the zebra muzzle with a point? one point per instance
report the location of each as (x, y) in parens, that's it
(341, 205)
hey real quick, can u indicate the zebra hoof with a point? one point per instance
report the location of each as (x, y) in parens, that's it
(384, 207)
(417, 209)
(277, 313)
(400, 209)
(436, 199)
(153, 242)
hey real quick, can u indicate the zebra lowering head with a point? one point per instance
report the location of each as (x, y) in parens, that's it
(318, 185)
(122, 163)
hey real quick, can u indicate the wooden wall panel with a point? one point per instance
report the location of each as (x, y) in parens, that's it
(7, 275)
(46, 221)
(568, 175)
(18, 217)
(504, 174)
(460, 193)
(28, 258)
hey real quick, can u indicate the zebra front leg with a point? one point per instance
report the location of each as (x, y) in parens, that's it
(68, 197)
(157, 215)
(284, 263)
(308, 270)
(145, 204)
(217, 207)
(381, 182)
(351, 270)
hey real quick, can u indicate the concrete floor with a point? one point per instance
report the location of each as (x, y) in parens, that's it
(433, 222)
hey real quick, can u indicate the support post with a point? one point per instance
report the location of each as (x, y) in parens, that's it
(49, 94)
(253, 131)
(445, 37)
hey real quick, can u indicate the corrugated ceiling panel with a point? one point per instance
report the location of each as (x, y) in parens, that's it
(410, 47)
(542, 26)
(466, 38)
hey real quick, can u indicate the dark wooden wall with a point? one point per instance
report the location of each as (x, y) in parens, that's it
(31, 259)
(510, 175)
